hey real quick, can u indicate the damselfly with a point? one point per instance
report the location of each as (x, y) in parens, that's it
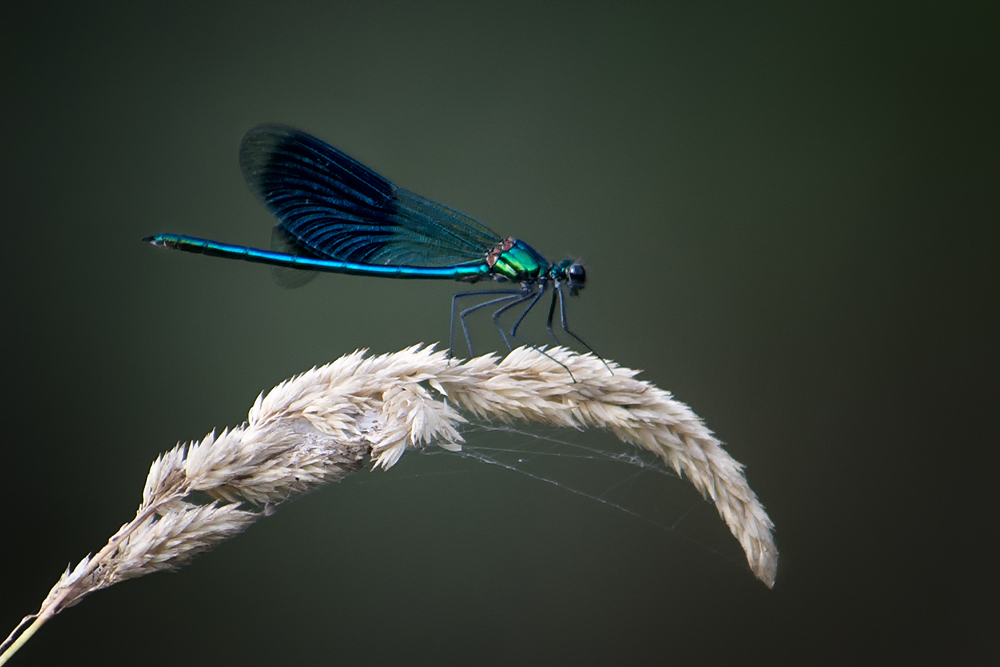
(338, 216)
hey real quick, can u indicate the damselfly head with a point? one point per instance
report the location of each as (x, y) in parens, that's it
(574, 274)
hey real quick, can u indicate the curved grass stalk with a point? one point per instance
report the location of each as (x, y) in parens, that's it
(327, 422)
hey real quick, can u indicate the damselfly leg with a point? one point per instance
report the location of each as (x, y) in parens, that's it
(513, 331)
(557, 293)
(510, 294)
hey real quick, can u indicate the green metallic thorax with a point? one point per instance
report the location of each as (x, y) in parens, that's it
(518, 262)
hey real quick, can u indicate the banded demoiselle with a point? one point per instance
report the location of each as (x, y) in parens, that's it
(337, 215)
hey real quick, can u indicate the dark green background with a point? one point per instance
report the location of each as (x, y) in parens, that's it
(788, 214)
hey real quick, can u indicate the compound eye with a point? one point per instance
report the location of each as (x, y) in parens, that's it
(577, 273)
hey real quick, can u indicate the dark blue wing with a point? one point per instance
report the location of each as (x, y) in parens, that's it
(333, 207)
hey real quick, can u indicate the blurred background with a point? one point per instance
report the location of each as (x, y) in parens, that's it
(788, 213)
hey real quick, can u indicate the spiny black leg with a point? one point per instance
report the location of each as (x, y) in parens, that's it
(454, 302)
(501, 311)
(552, 311)
(513, 330)
(562, 317)
(478, 306)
